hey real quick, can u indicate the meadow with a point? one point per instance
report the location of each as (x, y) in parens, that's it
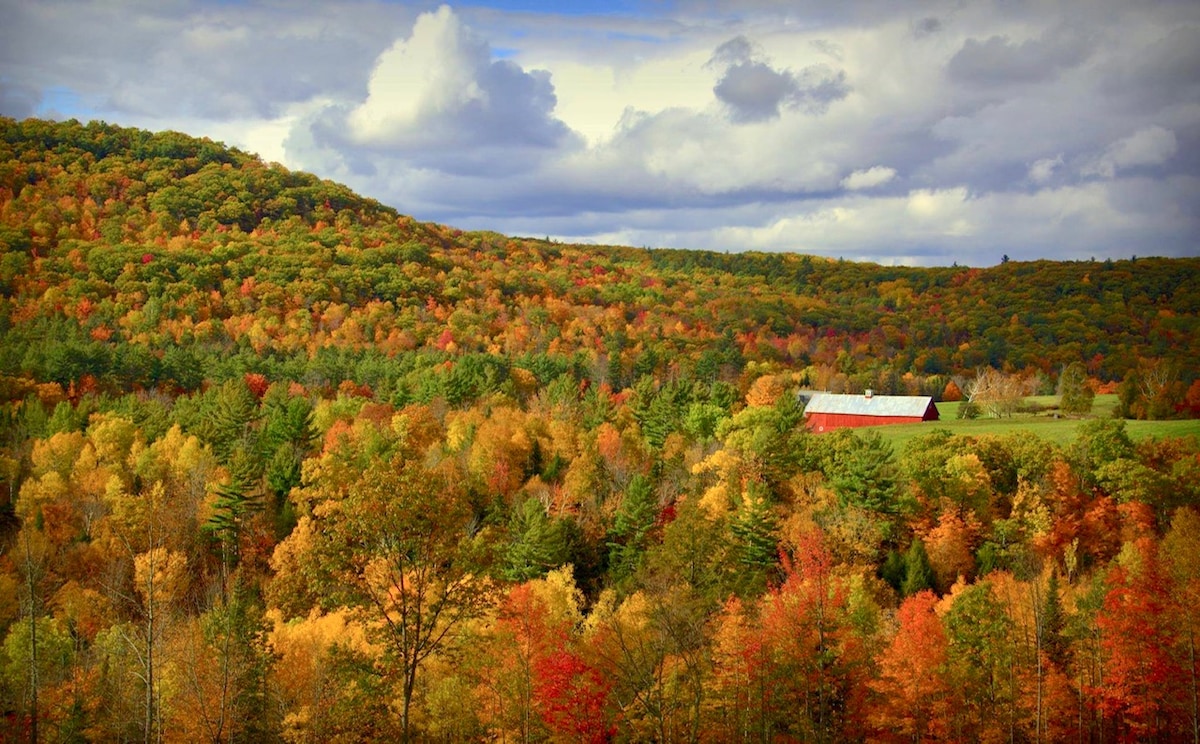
(1046, 424)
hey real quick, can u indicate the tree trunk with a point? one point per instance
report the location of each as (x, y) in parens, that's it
(34, 682)
(410, 682)
(150, 651)
(1192, 675)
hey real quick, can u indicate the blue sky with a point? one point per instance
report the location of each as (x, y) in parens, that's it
(919, 133)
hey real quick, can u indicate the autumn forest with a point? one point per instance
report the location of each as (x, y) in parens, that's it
(280, 464)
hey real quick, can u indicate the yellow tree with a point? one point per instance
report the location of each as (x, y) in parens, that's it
(399, 551)
(138, 528)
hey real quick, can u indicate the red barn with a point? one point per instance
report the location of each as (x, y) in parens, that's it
(828, 411)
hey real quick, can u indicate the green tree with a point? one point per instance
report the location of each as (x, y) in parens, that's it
(229, 427)
(1099, 442)
(631, 528)
(695, 550)
(980, 658)
(236, 501)
(918, 575)
(1076, 395)
(861, 470)
(755, 537)
(1051, 623)
(892, 570)
(537, 543)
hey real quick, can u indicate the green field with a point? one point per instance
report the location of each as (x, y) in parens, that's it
(1057, 430)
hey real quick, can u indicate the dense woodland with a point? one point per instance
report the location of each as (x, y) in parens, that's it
(280, 464)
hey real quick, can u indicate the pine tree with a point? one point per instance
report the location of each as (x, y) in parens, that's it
(892, 570)
(1053, 621)
(230, 426)
(536, 545)
(235, 502)
(918, 575)
(755, 537)
(631, 527)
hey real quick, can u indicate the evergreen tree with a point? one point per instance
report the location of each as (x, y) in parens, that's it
(755, 537)
(918, 575)
(1050, 629)
(631, 527)
(229, 427)
(235, 502)
(537, 543)
(288, 436)
(861, 470)
(892, 570)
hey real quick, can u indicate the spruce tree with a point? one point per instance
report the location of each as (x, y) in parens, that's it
(631, 527)
(754, 530)
(1053, 620)
(892, 570)
(918, 575)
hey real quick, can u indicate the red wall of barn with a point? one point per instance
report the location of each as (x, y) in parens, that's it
(829, 421)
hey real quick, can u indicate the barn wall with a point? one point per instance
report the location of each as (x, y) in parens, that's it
(819, 422)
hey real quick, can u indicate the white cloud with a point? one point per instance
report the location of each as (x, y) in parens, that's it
(940, 211)
(1026, 129)
(868, 179)
(1151, 145)
(440, 88)
(1043, 170)
(938, 227)
(432, 73)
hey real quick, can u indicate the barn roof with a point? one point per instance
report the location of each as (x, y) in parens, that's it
(875, 405)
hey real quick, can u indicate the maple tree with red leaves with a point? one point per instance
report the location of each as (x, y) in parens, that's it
(1140, 691)
(913, 695)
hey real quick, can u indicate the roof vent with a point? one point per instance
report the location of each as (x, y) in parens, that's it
(868, 394)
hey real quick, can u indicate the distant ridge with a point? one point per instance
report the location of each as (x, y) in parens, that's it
(119, 244)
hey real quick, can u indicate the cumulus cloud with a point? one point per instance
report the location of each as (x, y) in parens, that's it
(1043, 170)
(869, 178)
(963, 131)
(998, 60)
(755, 91)
(440, 88)
(736, 51)
(1152, 145)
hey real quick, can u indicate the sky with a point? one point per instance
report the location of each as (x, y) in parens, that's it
(917, 133)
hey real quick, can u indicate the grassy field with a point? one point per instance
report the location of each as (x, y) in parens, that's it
(1060, 431)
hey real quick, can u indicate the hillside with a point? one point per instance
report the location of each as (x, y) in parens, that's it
(278, 463)
(121, 246)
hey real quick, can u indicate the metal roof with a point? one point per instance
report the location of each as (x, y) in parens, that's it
(876, 405)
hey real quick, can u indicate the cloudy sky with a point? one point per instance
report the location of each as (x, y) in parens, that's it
(900, 132)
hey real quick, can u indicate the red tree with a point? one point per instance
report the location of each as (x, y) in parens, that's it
(913, 695)
(572, 697)
(1141, 683)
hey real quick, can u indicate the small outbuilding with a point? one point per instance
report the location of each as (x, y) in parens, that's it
(828, 411)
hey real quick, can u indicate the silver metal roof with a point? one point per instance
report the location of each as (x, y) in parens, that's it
(876, 405)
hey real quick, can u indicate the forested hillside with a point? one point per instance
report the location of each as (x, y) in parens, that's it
(281, 464)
